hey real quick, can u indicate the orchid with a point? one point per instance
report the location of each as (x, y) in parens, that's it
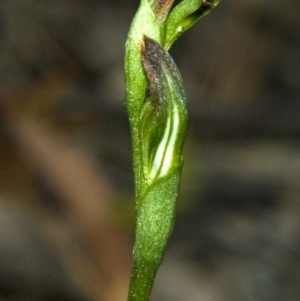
(157, 110)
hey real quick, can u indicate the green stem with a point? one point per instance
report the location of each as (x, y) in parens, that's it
(142, 279)
(155, 221)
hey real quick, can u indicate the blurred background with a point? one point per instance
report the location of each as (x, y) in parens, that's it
(66, 185)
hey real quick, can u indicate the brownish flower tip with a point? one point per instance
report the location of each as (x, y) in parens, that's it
(152, 54)
(161, 8)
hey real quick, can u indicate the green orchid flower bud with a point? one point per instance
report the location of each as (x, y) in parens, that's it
(184, 16)
(164, 116)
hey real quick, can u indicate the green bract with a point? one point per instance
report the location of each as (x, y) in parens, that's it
(156, 106)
